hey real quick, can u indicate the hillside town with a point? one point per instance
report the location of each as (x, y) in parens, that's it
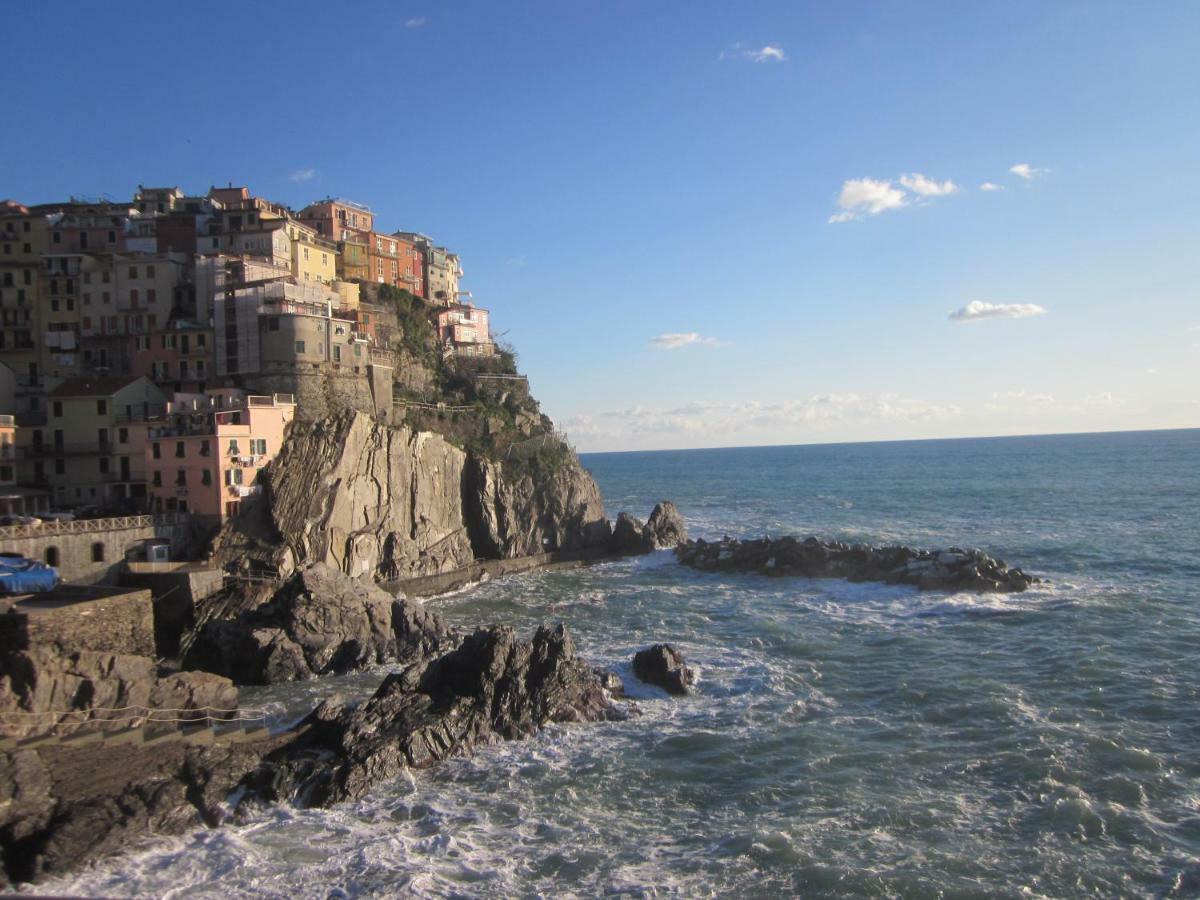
(154, 351)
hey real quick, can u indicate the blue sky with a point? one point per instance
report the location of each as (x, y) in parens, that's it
(613, 173)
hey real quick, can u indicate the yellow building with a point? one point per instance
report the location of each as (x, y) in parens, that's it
(314, 258)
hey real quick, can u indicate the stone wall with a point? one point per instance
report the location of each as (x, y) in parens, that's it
(93, 550)
(81, 618)
(176, 588)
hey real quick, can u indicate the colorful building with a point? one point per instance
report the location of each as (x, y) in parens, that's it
(205, 455)
(464, 331)
(337, 219)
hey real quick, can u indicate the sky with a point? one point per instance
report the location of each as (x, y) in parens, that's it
(703, 224)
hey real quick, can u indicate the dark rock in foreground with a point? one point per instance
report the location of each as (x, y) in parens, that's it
(319, 622)
(664, 529)
(63, 805)
(493, 687)
(930, 570)
(664, 666)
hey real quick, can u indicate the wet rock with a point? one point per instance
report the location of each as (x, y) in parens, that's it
(665, 527)
(629, 537)
(952, 569)
(662, 665)
(492, 687)
(318, 622)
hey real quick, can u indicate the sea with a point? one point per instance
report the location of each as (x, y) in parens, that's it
(843, 740)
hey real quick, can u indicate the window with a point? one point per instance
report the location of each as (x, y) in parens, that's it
(58, 409)
(102, 407)
(103, 463)
(204, 450)
(273, 323)
(123, 435)
(60, 467)
(133, 298)
(112, 237)
(157, 479)
(180, 452)
(149, 271)
(337, 353)
(156, 450)
(258, 446)
(231, 508)
(133, 272)
(299, 346)
(151, 295)
(51, 556)
(233, 447)
(206, 477)
(98, 552)
(181, 477)
(58, 237)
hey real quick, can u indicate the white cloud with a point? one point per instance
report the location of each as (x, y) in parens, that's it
(675, 340)
(978, 309)
(722, 419)
(302, 175)
(767, 53)
(990, 186)
(869, 196)
(924, 186)
(416, 22)
(1018, 402)
(1026, 171)
(1103, 400)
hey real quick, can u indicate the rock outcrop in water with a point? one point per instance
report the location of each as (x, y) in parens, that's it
(930, 570)
(318, 622)
(492, 687)
(662, 665)
(664, 529)
(391, 503)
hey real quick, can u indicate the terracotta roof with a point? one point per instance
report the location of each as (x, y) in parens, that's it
(93, 385)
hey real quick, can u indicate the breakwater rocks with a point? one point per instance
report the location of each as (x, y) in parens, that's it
(954, 569)
(318, 622)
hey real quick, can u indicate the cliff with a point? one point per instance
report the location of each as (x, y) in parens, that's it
(390, 502)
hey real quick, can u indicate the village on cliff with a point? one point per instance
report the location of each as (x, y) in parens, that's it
(154, 351)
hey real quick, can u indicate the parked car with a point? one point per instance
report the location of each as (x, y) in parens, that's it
(20, 520)
(57, 515)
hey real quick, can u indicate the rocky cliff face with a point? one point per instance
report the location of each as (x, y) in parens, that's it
(389, 502)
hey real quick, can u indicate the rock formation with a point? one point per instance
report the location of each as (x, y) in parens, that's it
(61, 804)
(929, 570)
(40, 685)
(493, 687)
(664, 529)
(387, 502)
(318, 622)
(664, 666)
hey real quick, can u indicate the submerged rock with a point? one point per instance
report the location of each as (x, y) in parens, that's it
(318, 622)
(929, 570)
(664, 666)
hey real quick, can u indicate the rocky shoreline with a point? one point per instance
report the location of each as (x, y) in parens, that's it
(954, 569)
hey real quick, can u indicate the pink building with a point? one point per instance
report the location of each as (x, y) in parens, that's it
(204, 457)
(464, 331)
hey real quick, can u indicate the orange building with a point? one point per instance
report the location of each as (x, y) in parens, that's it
(395, 260)
(338, 220)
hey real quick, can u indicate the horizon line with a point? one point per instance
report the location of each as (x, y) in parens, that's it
(975, 437)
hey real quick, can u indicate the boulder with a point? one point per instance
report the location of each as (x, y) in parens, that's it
(318, 622)
(664, 666)
(629, 536)
(665, 529)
